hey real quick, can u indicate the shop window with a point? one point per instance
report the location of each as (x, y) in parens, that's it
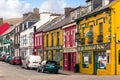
(85, 59)
(102, 60)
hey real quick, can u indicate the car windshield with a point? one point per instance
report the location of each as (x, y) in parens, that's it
(51, 62)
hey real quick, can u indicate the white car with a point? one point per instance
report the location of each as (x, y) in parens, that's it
(31, 61)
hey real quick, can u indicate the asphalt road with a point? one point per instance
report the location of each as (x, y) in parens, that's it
(15, 72)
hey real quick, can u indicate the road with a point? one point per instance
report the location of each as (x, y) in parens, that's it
(15, 72)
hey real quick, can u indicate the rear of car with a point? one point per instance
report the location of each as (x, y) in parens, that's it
(49, 66)
(31, 61)
(17, 60)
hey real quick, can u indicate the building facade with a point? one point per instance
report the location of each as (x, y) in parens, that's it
(69, 47)
(98, 40)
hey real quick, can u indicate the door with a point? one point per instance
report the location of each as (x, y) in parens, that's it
(95, 62)
(65, 61)
(73, 61)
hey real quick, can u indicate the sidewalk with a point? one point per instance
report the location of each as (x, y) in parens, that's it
(68, 72)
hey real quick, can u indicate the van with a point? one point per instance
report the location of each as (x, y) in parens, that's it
(31, 61)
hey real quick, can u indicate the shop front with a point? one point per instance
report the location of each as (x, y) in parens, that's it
(53, 53)
(69, 59)
(95, 59)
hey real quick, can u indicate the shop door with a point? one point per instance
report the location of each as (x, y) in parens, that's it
(95, 63)
(73, 61)
(65, 61)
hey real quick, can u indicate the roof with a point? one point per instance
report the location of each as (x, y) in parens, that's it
(48, 24)
(3, 28)
(58, 24)
(99, 9)
(78, 8)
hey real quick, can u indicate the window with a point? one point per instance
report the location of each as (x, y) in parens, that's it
(52, 35)
(18, 29)
(67, 35)
(83, 34)
(40, 40)
(47, 40)
(101, 28)
(58, 38)
(73, 37)
(102, 60)
(85, 59)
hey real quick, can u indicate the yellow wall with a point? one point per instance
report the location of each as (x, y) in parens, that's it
(116, 30)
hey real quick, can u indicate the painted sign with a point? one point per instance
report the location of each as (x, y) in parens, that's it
(94, 47)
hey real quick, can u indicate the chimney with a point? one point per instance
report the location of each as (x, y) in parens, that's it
(1, 21)
(36, 10)
(67, 11)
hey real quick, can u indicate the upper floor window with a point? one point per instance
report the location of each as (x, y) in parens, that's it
(47, 40)
(83, 32)
(58, 38)
(16, 30)
(101, 28)
(52, 35)
(67, 36)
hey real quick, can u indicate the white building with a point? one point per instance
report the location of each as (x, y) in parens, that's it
(26, 36)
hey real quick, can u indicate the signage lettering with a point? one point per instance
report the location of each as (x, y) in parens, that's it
(94, 47)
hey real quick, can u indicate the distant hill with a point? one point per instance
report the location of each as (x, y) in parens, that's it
(13, 21)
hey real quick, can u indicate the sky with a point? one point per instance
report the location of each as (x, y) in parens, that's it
(15, 8)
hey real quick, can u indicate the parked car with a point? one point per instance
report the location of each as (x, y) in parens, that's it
(3, 57)
(8, 58)
(48, 66)
(16, 60)
(31, 61)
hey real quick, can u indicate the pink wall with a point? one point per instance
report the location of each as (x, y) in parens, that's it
(38, 40)
(69, 36)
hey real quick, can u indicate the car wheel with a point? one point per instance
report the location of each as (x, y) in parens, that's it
(42, 70)
(27, 67)
(56, 71)
(38, 70)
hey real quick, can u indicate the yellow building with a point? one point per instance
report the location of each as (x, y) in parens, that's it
(53, 44)
(99, 40)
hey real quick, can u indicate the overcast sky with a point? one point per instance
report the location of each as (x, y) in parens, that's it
(15, 8)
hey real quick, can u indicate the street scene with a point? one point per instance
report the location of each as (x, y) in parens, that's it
(15, 72)
(59, 39)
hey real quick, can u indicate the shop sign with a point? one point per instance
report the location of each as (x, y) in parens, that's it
(94, 47)
(70, 49)
(55, 47)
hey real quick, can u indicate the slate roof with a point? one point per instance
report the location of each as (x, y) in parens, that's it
(58, 24)
(48, 24)
(99, 9)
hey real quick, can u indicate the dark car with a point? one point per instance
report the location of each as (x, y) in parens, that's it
(8, 58)
(48, 66)
(15, 60)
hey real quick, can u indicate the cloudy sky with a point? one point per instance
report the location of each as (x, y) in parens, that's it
(15, 8)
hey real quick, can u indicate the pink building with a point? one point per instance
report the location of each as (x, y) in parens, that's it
(39, 43)
(69, 47)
